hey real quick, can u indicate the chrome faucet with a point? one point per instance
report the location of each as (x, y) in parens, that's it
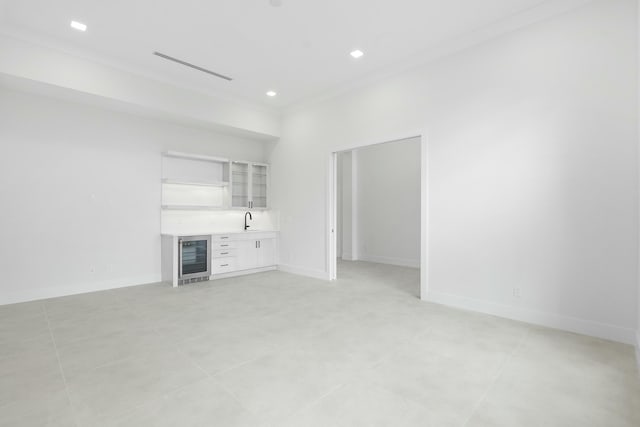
(245, 220)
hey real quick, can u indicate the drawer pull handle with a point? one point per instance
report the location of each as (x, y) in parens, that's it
(224, 237)
(224, 245)
(224, 265)
(224, 253)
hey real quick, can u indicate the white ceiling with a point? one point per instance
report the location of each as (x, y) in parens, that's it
(300, 49)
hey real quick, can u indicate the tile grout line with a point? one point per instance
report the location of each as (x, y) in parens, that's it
(123, 415)
(499, 373)
(231, 368)
(314, 402)
(208, 376)
(64, 377)
(154, 330)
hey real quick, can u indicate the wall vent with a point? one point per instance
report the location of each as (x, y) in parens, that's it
(188, 64)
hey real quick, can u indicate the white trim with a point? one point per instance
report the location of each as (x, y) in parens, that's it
(403, 262)
(355, 247)
(301, 271)
(62, 291)
(401, 136)
(424, 215)
(539, 13)
(424, 199)
(242, 272)
(332, 225)
(550, 320)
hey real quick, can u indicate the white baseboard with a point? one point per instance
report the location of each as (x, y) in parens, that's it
(403, 262)
(551, 320)
(61, 291)
(301, 271)
(347, 256)
(242, 272)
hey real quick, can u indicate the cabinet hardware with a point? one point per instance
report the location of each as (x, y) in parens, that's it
(259, 243)
(224, 245)
(224, 265)
(224, 253)
(224, 237)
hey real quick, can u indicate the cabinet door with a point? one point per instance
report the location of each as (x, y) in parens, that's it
(259, 183)
(267, 253)
(247, 254)
(240, 196)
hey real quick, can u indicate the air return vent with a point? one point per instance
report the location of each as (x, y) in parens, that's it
(195, 67)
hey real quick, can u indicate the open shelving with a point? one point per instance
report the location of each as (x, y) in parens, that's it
(201, 184)
(191, 208)
(194, 181)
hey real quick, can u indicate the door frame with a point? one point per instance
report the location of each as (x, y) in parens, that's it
(331, 204)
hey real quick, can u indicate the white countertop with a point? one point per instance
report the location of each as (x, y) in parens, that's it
(217, 232)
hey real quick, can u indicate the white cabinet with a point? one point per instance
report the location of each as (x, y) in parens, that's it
(256, 253)
(259, 185)
(266, 252)
(249, 185)
(199, 182)
(247, 254)
(243, 252)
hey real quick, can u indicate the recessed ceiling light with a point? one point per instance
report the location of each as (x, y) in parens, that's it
(78, 26)
(275, 3)
(271, 93)
(357, 53)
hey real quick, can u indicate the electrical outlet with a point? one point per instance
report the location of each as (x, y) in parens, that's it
(516, 293)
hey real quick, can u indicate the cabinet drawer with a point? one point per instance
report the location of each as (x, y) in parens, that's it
(222, 237)
(221, 253)
(223, 265)
(222, 244)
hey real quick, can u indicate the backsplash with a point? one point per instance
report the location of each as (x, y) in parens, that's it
(194, 222)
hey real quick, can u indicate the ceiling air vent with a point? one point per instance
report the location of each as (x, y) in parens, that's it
(195, 67)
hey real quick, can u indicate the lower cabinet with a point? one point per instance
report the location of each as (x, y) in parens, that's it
(256, 253)
(224, 265)
(266, 252)
(243, 251)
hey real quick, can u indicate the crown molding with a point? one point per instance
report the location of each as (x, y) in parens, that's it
(514, 22)
(517, 21)
(9, 30)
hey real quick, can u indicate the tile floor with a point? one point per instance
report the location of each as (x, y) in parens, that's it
(275, 349)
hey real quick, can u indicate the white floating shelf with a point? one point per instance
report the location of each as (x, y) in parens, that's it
(200, 184)
(182, 155)
(190, 208)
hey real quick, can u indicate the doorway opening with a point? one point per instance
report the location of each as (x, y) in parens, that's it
(378, 213)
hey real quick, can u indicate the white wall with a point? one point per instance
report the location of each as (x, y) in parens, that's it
(532, 170)
(80, 191)
(388, 183)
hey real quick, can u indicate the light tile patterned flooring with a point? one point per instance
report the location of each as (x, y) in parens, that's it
(274, 349)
